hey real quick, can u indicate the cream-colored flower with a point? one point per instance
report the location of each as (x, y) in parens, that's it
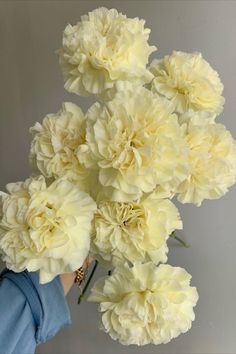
(55, 143)
(188, 81)
(45, 228)
(134, 231)
(213, 163)
(103, 48)
(135, 143)
(197, 117)
(145, 304)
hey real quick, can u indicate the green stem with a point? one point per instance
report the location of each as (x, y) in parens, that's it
(183, 243)
(87, 283)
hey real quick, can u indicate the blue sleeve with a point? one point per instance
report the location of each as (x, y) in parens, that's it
(30, 313)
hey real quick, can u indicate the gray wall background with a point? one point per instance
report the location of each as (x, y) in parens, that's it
(31, 86)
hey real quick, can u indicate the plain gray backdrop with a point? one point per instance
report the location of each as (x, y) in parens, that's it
(31, 86)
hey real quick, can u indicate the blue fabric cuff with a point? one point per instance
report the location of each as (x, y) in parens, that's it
(56, 313)
(47, 302)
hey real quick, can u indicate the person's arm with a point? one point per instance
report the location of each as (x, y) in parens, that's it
(17, 328)
(67, 280)
(31, 313)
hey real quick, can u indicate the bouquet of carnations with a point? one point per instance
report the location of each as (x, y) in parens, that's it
(103, 180)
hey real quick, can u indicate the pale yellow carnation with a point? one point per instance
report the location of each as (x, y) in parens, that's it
(188, 81)
(55, 143)
(213, 163)
(103, 48)
(135, 143)
(145, 304)
(197, 117)
(45, 228)
(133, 231)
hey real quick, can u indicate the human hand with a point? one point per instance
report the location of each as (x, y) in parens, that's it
(67, 279)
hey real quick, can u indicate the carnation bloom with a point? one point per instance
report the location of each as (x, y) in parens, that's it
(135, 143)
(197, 117)
(45, 228)
(133, 231)
(103, 48)
(188, 81)
(145, 304)
(212, 160)
(55, 142)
